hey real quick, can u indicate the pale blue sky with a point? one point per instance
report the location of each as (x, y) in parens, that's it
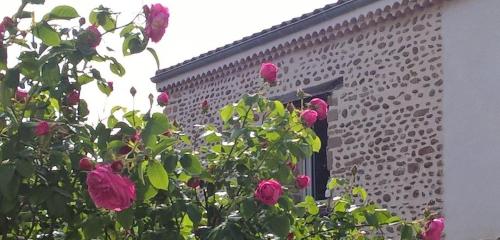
(195, 27)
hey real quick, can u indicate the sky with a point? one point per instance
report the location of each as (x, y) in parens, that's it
(195, 27)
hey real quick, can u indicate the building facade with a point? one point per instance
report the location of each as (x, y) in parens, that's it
(401, 78)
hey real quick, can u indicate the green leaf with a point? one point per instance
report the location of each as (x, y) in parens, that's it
(407, 232)
(104, 88)
(316, 144)
(226, 112)
(211, 136)
(126, 218)
(12, 78)
(47, 34)
(162, 146)
(157, 125)
(150, 193)
(83, 109)
(157, 175)
(280, 225)
(51, 73)
(6, 179)
(25, 167)
(116, 67)
(278, 108)
(3, 58)
(191, 164)
(126, 30)
(360, 192)
(310, 205)
(248, 208)
(194, 213)
(92, 228)
(61, 12)
(157, 60)
(84, 79)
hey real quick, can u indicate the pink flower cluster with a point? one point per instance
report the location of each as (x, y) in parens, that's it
(318, 110)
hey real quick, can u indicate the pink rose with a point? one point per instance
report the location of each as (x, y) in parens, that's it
(309, 117)
(163, 99)
(86, 164)
(268, 72)
(21, 95)
(93, 37)
(320, 106)
(434, 229)
(73, 98)
(110, 190)
(302, 181)
(42, 128)
(268, 192)
(156, 22)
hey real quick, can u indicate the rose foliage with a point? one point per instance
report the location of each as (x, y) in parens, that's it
(137, 175)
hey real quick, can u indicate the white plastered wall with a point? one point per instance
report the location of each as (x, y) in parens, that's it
(471, 38)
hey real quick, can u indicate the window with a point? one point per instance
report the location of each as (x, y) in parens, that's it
(316, 167)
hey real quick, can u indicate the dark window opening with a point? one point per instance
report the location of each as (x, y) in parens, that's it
(316, 167)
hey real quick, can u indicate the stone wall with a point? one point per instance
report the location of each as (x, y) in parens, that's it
(385, 119)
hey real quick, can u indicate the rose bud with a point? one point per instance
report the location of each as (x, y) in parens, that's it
(90, 37)
(145, 9)
(136, 137)
(204, 106)
(117, 166)
(167, 133)
(81, 21)
(124, 150)
(110, 85)
(42, 128)
(290, 107)
(73, 98)
(194, 182)
(133, 91)
(302, 181)
(21, 95)
(309, 117)
(162, 99)
(269, 72)
(86, 164)
(8, 22)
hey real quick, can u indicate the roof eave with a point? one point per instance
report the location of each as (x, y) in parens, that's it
(259, 39)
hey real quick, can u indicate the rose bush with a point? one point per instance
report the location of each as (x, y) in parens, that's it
(136, 175)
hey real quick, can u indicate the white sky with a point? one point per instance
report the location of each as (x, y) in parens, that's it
(195, 27)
